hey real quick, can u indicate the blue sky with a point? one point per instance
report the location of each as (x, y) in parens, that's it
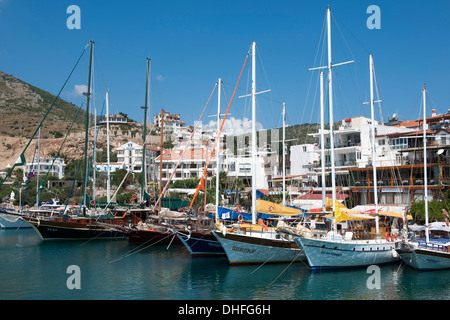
(193, 43)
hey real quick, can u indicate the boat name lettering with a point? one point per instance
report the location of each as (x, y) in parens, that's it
(244, 250)
(431, 260)
(331, 253)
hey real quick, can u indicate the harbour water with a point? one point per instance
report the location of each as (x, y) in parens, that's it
(31, 269)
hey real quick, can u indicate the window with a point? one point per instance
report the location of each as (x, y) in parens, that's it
(381, 142)
(399, 143)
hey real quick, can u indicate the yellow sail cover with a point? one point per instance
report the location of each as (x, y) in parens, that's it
(268, 207)
(344, 214)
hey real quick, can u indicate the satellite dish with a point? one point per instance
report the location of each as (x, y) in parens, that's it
(440, 151)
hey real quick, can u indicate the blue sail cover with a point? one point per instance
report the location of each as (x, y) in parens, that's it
(228, 214)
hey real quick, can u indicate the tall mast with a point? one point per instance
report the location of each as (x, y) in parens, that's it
(206, 176)
(284, 154)
(88, 97)
(38, 171)
(425, 175)
(330, 98)
(322, 141)
(108, 181)
(145, 107)
(374, 154)
(217, 151)
(253, 133)
(94, 155)
(161, 158)
(330, 101)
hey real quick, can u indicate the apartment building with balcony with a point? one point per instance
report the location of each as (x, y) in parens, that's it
(352, 148)
(194, 161)
(171, 122)
(44, 165)
(114, 119)
(403, 180)
(399, 159)
(129, 155)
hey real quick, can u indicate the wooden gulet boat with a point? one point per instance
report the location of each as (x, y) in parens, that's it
(429, 253)
(256, 243)
(337, 251)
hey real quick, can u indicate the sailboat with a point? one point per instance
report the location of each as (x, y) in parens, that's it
(198, 239)
(335, 251)
(148, 228)
(254, 243)
(65, 227)
(431, 253)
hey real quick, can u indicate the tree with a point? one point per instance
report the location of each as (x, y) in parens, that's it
(237, 185)
(417, 210)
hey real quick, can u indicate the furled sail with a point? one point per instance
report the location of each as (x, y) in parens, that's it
(268, 207)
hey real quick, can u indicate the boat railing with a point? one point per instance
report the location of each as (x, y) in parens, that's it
(433, 246)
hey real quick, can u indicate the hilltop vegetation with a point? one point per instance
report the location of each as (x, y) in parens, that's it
(22, 107)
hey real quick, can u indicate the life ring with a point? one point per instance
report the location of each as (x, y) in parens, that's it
(238, 209)
(200, 210)
(240, 218)
(132, 200)
(387, 236)
(152, 196)
(72, 203)
(92, 202)
(393, 236)
(271, 209)
(134, 196)
(311, 191)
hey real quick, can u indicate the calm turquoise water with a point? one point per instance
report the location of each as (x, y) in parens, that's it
(31, 269)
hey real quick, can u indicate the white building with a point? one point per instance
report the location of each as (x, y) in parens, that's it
(353, 144)
(114, 119)
(241, 167)
(304, 158)
(130, 156)
(194, 161)
(113, 166)
(57, 169)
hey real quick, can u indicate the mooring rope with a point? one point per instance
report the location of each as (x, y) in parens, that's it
(131, 251)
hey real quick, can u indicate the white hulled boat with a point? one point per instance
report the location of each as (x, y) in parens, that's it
(256, 243)
(335, 251)
(426, 253)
